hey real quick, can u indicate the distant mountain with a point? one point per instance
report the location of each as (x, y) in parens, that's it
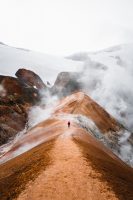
(46, 66)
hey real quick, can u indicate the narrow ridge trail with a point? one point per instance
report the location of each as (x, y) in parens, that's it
(69, 177)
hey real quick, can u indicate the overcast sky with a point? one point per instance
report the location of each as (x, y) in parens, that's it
(66, 26)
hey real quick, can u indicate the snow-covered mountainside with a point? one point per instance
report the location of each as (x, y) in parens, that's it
(108, 78)
(46, 66)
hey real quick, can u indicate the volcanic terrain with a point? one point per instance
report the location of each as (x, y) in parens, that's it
(52, 161)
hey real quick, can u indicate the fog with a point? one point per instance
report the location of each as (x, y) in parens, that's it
(43, 110)
(62, 27)
(107, 77)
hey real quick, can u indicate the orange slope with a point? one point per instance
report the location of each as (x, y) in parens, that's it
(80, 103)
(53, 161)
(73, 166)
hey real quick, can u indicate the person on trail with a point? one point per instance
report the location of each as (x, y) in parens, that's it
(68, 124)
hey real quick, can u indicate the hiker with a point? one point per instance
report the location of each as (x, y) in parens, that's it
(68, 124)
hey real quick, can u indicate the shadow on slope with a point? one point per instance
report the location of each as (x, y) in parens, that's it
(106, 167)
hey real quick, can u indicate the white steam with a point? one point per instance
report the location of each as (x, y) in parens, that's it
(87, 124)
(42, 111)
(126, 148)
(111, 88)
(6, 147)
(108, 78)
(38, 114)
(123, 148)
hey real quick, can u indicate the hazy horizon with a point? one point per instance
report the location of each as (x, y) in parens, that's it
(62, 27)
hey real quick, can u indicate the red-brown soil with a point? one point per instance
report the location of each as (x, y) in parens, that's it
(73, 165)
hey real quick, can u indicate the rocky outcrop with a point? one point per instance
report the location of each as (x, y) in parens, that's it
(30, 79)
(17, 95)
(66, 83)
(12, 120)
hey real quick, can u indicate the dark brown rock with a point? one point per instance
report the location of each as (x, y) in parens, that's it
(66, 83)
(29, 78)
(17, 96)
